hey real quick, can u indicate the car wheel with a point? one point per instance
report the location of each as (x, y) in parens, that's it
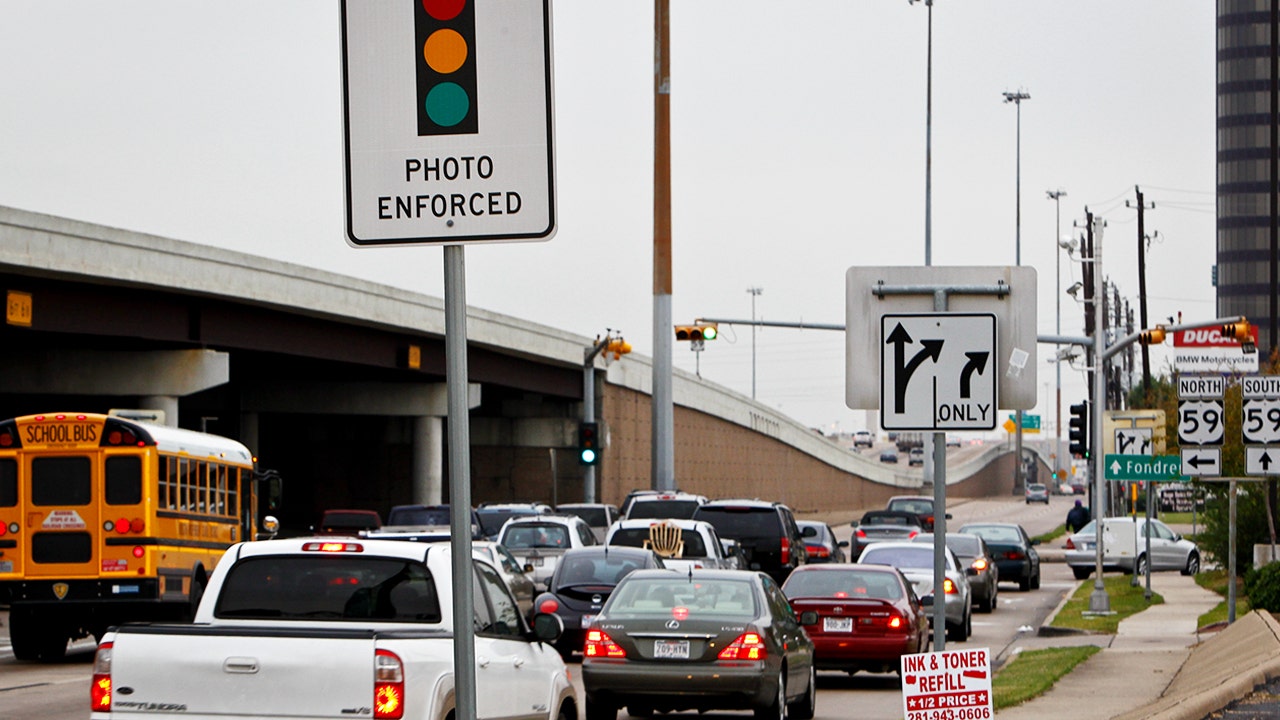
(1024, 584)
(807, 705)
(988, 603)
(1193, 565)
(1081, 573)
(1142, 565)
(639, 710)
(1035, 580)
(600, 711)
(777, 709)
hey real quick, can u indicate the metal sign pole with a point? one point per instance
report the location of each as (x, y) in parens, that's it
(455, 354)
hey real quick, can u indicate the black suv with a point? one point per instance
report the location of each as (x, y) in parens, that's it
(766, 532)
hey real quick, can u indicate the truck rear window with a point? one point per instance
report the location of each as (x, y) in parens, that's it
(742, 522)
(320, 587)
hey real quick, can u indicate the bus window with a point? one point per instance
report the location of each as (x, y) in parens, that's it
(61, 481)
(201, 473)
(124, 480)
(8, 482)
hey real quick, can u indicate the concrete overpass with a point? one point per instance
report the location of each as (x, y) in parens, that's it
(339, 383)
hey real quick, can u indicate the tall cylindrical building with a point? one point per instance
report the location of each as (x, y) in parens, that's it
(1248, 109)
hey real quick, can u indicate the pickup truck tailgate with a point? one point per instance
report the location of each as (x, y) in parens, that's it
(242, 671)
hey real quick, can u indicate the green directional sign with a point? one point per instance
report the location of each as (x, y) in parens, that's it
(1133, 468)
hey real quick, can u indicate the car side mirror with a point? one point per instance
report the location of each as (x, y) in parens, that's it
(1035, 541)
(927, 601)
(947, 516)
(547, 627)
(528, 568)
(971, 571)
(853, 524)
(843, 543)
(809, 617)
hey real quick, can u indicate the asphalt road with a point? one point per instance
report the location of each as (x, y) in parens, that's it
(60, 691)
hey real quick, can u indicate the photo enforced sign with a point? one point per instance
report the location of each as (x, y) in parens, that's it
(947, 685)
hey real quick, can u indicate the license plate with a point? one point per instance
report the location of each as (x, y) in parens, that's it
(1086, 546)
(837, 624)
(671, 649)
(586, 621)
(535, 561)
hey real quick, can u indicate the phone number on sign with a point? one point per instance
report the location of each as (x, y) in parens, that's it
(973, 713)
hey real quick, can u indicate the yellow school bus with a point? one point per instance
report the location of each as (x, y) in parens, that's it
(105, 520)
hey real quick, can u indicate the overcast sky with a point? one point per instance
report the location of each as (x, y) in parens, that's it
(798, 151)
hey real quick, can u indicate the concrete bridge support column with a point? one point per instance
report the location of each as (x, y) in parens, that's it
(428, 460)
(167, 404)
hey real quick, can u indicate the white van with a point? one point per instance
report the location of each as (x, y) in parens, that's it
(1124, 544)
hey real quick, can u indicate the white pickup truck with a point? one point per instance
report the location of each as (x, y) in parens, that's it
(312, 628)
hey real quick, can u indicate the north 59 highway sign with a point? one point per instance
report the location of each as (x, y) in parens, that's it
(937, 371)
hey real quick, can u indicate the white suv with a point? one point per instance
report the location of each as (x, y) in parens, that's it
(540, 541)
(682, 544)
(862, 438)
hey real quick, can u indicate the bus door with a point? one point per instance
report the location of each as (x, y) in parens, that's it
(62, 517)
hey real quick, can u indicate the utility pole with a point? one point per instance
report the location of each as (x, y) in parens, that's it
(1056, 196)
(755, 292)
(1142, 290)
(662, 461)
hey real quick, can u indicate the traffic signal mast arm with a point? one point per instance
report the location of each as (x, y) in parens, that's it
(1238, 321)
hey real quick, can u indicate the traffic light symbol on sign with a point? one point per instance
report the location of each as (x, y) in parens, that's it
(588, 443)
(1079, 430)
(445, 31)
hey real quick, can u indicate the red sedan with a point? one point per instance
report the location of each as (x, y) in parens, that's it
(868, 615)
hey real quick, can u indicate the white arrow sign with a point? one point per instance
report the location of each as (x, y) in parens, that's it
(937, 372)
(1202, 461)
(1133, 441)
(1260, 460)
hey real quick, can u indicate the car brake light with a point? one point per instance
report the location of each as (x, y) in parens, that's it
(1070, 545)
(332, 547)
(948, 587)
(748, 646)
(895, 622)
(860, 533)
(599, 644)
(388, 685)
(817, 551)
(928, 520)
(100, 690)
(786, 550)
(912, 535)
(1013, 555)
(548, 606)
(980, 564)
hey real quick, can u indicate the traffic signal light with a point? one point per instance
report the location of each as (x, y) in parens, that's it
(446, 66)
(1238, 331)
(697, 331)
(1155, 336)
(617, 347)
(588, 443)
(1079, 430)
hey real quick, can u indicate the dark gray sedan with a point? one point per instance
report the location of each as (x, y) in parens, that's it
(699, 640)
(883, 526)
(979, 566)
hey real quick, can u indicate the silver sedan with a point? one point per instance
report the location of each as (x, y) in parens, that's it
(915, 560)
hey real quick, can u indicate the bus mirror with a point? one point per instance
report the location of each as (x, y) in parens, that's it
(270, 526)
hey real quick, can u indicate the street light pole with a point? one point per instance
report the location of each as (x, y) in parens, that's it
(755, 292)
(1056, 197)
(1016, 98)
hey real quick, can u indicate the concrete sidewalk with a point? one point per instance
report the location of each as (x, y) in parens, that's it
(1136, 666)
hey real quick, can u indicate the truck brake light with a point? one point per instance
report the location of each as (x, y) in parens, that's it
(100, 690)
(388, 685)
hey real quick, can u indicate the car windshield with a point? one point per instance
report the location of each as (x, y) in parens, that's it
(882, 518)
(491, 520)
(677, 509)
(691, 544)
(742, 522)
(420, 516)
(923, 507)
(594, 516)
(313, 587)
(994, 533)
(536, 535)
(680, 597)
(597, 569)
(843, 584)
(907, 558)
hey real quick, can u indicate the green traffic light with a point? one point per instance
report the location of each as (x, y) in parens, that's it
(708, 333)
(588, 456)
